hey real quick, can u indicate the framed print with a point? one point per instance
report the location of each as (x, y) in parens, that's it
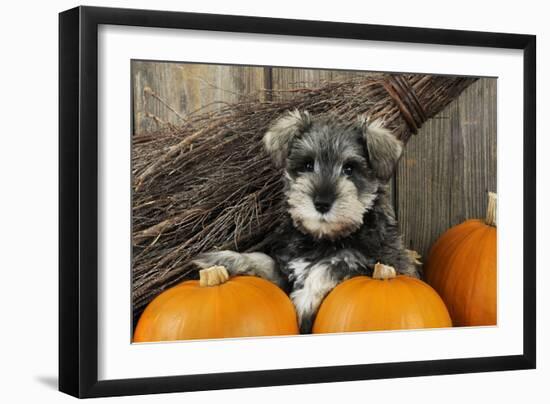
(251, 201)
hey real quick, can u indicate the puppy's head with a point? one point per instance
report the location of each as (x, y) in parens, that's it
(333, 171)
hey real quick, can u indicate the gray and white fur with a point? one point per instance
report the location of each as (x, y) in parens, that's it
(340, 221)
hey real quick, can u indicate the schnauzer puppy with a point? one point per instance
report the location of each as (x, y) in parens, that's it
(340, 221)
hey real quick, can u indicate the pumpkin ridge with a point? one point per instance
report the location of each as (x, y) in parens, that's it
(488, 229)
(383, 288)
(450, 263)
(329, 309)
(365, 289)
(350, 308)
(353, 298)
(474, 258)
(443, 249)
(218, 310)
(253, 281)
(172, 300)
(463, 229)
(232, 305)
(267, 296)
(471, 257)
(256, 300)
(436, 302)
(207, 294)
(412, 299)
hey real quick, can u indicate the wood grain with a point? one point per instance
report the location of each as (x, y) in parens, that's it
(448, 168)
(284, 78)
(288, 79)
(167, 92)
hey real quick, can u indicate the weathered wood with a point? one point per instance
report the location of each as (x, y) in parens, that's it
(288, 78)
(447, 169)
(475, 129)
(167, 92)
(284, 78)
(423, 183)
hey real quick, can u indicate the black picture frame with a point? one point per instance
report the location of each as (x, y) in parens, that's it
(78, 200)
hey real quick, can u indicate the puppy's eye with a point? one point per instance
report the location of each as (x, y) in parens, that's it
(309, 166)
(347, 169)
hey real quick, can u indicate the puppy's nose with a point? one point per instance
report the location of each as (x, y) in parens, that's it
(322, 204)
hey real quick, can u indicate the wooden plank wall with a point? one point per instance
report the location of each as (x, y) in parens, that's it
(167, 92)
(445, 172)
(448, 167)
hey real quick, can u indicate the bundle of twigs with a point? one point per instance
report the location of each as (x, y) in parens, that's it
(209, 185)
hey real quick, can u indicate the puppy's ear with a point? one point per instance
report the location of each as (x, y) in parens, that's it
(383, 148)
(280, 134)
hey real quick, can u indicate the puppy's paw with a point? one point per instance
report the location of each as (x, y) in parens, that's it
(228, 259)
(415, 267)
(406, 262)
(306, 305)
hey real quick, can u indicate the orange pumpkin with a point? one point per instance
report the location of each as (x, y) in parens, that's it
(462, 267)
(384, 302)
(217, 307)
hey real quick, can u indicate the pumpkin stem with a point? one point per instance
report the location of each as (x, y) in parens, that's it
(213, 276)
(491, 218)
(383, 272)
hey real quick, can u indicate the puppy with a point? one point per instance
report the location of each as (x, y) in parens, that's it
(340, 221)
